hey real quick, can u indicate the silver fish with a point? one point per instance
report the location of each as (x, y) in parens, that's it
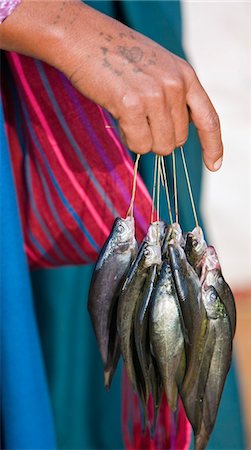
(194, 314)
(195, 249)
(149, 254)
(167, 342)
(141, 330)
(194, 401)
(109, 274)
(212, 276)
(219, 366)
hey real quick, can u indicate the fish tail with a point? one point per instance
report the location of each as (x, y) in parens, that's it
(171, 391)
(201, 439)
(107, 379)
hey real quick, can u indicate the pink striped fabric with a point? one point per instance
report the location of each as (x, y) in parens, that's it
(7, 7)
(73, 175)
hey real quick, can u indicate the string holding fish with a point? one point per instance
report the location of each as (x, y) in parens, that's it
(154, 188)
(189, 187)
(175, 189)
(130, 210)
(165, 184)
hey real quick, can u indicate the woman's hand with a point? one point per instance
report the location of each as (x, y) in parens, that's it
(151, 92)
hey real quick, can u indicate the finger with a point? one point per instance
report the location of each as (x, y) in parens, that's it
(162, 129)
(136, 134)
(180, 117)
(207, 123)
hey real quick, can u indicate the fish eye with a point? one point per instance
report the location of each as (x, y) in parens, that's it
(121, 228)
(213, 296)
(194, 243)
(147, 252)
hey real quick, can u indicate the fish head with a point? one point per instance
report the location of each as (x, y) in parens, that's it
(195, 246)
(177, 236)
(213, 304)
(152, 254)
(212, 258)
(156, 232)
(123, 233)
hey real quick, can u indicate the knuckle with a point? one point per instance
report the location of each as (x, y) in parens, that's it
(132, 102)
(175, 84)
(155, 94)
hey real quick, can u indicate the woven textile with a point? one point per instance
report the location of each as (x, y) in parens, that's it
(7, 7)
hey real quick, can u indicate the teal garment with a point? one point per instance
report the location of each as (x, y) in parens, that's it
(26, 417)
(87, 417)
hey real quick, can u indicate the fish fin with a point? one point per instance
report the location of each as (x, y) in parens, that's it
(171, 391)
(107, 379)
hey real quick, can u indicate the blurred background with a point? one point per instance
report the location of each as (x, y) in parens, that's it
(217, 40)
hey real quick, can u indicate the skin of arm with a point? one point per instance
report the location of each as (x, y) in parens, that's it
(150, 91)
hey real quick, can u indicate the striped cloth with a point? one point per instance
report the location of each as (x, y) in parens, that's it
(7, 7)
(73, 175)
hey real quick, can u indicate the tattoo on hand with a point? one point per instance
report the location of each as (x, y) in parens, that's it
(106, 63)
(132, 55)
(104, 50)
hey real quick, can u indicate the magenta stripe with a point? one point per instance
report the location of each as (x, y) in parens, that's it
(56, 149)
(105, 157)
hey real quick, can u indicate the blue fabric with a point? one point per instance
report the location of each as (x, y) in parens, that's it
(26, 414)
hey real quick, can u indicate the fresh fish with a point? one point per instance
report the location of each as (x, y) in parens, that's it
(141, 330)
(167, 342)
(156, 232)
(149, 254)
(107, 279)
(219, 367)
(194, 401)
(212, 276)
(195, 249)
(194, 314)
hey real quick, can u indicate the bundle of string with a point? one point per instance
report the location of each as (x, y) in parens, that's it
(160, 173)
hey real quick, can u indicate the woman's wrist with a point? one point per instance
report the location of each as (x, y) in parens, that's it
(38, 29)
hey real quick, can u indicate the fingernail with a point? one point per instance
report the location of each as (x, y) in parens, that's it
(218, 163)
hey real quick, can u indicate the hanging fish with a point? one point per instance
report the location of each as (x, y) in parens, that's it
(212, 276)
(194, 315)
(167, 342)
(109, 274)
(219, 366)
(141, 331)
(149, 254)
(195, 249)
